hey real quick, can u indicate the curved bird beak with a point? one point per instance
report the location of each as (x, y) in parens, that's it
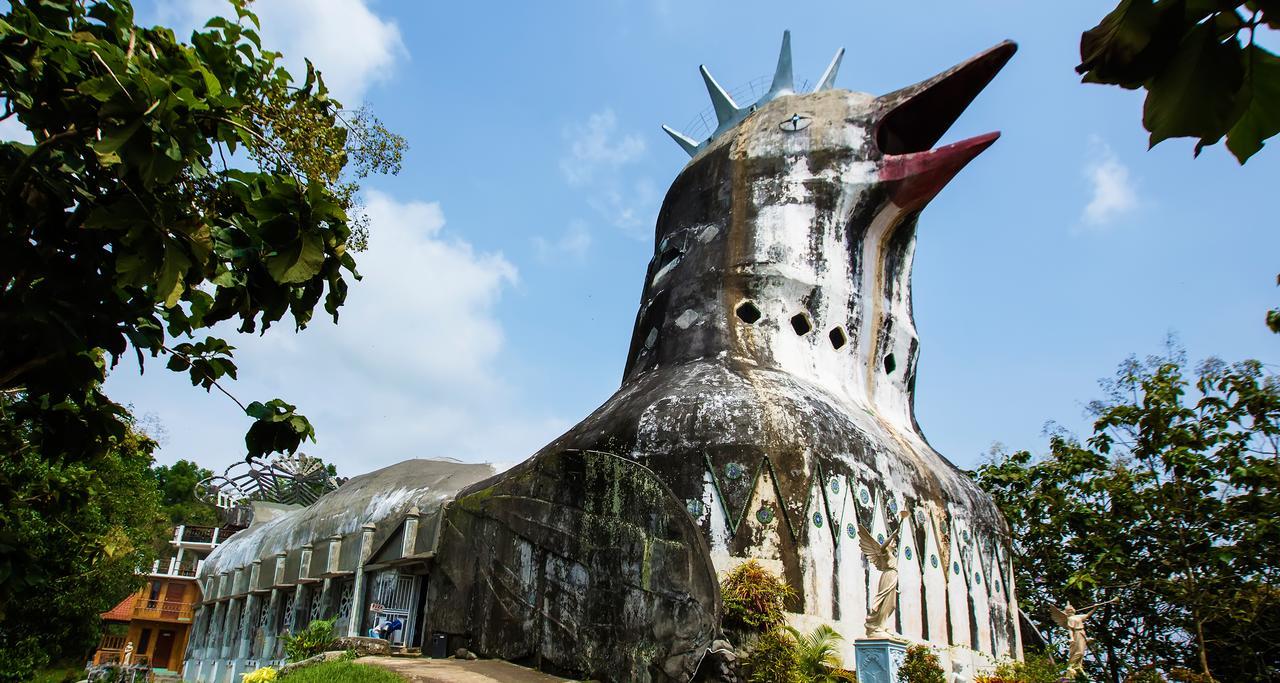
(916, 117)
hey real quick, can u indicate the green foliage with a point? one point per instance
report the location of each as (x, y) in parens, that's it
(177, 485)
(171, 186)
(1036, 667)
(774, 658)
(1273, 315)
(921, 666)
(1147, 674)
(753, 598)
(817, 652)
(1170, 509)
(317, 637)
(1205, 75)
(1181, 675)
(72, 533)
(66, 674)
(341, 672)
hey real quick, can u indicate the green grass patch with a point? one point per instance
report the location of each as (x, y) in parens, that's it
(341, 672)
(66, 674)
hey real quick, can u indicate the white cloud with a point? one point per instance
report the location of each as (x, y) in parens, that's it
(1113, 192)
(572, 244)
(595, 146)
(412, 370)
(632, 211)
(598, 160)
(351, 45)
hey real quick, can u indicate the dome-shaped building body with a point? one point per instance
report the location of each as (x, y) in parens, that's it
(765, 413)
(772, 367)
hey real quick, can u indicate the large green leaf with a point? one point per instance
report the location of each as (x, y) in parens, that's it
(299, 261)
(1261, 92)
(1132, 43)
(1195, 95)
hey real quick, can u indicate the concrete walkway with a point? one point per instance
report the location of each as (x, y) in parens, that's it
(419, 670)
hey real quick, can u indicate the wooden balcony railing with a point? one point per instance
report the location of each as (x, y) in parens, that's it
(197, 534)
(105, 656)
(171, 567)
(163, 610)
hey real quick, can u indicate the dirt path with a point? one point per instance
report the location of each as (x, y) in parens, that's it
(419, 670)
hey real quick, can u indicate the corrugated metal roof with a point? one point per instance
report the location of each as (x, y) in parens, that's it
(385, 494)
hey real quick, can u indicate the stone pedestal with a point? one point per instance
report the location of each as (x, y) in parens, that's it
(878, 661)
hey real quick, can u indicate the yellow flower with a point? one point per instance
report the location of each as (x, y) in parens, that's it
(263, 675)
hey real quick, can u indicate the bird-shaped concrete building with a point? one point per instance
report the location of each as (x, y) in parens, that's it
(765, 413)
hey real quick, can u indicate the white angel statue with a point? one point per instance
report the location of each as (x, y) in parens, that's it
(884, 557)
(1074, 623)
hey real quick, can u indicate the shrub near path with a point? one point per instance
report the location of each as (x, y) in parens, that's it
(341, 672)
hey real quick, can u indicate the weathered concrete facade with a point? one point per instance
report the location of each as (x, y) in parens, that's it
(772, 367)
(766, 412)
(575, 562)
(374, 536)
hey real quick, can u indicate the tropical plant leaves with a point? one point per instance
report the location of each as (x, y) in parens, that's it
(1204, 75)
(1260, 119)
(1195, 94)
(124, 223)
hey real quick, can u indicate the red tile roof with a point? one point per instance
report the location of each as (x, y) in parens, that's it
(123, 611)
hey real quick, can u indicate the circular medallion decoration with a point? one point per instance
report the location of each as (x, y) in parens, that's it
(880, 539)
(797, 122)
(893, 506)
(933, 560)
(817, 519)
(907, 551)
(835, 485)
(955, 568)
(921, 518)
(765, 514)
(733, 470)
(864, 496)
(965, 535)
(694, 506)
(851, 530)
(977, 577)
(997, 586)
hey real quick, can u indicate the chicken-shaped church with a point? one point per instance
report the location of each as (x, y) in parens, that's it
(766, 412)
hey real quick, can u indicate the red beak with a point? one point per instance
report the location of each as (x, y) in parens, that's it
(916, 117)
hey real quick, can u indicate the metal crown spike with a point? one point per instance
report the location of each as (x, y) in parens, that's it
(729, 114)
(829, 76)
(686, 143)
(783, 81)
(724, 105)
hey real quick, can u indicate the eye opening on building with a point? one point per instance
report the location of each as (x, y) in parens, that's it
(838, 337)
(747, 312)
(890, 364)
(800, 323)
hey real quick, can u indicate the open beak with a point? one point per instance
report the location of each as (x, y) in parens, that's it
(916, 117)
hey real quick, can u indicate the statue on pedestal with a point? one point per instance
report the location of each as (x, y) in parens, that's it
(884, 557)
(1074, 623)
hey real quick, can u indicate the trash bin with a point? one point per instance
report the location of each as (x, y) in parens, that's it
(439, 645)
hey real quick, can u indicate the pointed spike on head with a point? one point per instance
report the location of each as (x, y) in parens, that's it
(724, 105)
(828, 79)
(783, 80)
(686, 143)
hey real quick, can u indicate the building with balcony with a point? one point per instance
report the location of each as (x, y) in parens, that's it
(154, 623)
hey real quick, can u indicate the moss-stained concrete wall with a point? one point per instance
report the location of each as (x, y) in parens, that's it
(579, 562)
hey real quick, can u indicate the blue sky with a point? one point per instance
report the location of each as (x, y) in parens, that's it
(507, 258)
